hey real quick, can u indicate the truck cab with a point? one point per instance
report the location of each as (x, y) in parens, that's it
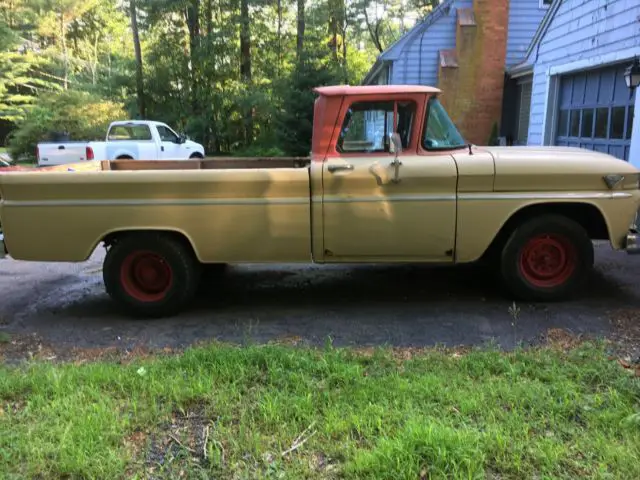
(145, 140)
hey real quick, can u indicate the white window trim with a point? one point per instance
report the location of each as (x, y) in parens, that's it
(552, 86)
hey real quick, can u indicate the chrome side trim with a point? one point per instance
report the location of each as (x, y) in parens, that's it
(489, 196)
(544, 196)
(390, 198)
(159, 201)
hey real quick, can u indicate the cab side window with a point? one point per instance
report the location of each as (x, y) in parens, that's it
(166, 135)
(367, 126)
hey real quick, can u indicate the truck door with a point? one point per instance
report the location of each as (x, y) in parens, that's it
(170, 148)
(369, 212)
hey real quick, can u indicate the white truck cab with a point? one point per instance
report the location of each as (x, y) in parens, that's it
(127, 139)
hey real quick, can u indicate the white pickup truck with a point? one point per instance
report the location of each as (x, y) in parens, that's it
(125, 140)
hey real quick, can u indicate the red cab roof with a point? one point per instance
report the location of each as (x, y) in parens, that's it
(374, 89)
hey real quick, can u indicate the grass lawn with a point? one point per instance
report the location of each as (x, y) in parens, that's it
(292, 412)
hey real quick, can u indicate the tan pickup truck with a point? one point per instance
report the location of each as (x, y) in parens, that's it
(389, 179)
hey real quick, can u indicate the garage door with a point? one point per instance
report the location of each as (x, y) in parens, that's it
(596, 112)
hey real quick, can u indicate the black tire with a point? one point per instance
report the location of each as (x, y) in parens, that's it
(151, 274)
(196, 155)
(546, 258)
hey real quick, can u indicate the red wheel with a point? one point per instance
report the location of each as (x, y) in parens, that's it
(146, 276)
(548, 260)
(151, 274)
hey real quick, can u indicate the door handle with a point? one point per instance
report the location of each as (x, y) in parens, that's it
(61, 147)
(340, 168)
(162, 148)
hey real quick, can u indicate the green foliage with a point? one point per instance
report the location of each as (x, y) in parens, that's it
(541, 413)
(295, 119)
(191, 57)
(79, 115)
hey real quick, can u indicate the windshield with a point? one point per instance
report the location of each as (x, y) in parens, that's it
(440, 132)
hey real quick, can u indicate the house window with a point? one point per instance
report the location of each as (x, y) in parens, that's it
(545, 3)
(367, 126)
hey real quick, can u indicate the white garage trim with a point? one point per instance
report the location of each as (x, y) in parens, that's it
(596, 61)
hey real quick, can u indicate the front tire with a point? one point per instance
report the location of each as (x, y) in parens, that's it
(546, 259)
(151, 274)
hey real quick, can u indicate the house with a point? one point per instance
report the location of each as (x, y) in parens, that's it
(465, 47)
(575, 68)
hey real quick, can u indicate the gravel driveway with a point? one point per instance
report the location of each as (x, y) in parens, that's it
(65, 305)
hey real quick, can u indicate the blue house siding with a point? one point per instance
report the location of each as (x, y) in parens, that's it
(587, 32)
(419, 61)
(414, 58)
(524, 18)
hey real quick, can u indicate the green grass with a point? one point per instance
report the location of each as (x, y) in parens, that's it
(486, 414)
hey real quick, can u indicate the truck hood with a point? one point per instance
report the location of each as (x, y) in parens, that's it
(554, 168)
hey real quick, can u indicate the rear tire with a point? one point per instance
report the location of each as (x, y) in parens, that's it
(546, 259)
(151, 274)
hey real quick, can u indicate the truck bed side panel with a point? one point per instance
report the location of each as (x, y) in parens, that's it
(240, 215)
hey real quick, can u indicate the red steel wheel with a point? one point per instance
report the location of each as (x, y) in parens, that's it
(146, 276)
(548, 260)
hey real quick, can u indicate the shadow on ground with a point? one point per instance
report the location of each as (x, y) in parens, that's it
(353, 305)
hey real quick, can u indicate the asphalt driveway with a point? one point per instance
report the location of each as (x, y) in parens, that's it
(406, 306)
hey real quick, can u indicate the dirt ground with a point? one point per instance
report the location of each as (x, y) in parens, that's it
(53, 310)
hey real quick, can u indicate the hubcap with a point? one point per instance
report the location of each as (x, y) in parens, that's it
(548, 260)
(146, 276)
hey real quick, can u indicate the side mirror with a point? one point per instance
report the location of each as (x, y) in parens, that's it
(182, 138)
(396, 144)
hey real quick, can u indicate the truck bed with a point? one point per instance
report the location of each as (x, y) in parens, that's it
(233, 210)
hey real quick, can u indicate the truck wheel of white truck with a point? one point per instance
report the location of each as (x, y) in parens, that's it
(546, 258)
(151, 274)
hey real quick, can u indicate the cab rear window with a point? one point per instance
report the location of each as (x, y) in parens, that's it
(129, 132)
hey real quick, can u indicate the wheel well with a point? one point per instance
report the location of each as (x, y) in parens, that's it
(124, 157)
(113, 237)
(585, 214)
(196, 155)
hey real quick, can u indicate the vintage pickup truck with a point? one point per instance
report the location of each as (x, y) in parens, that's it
(389, 179)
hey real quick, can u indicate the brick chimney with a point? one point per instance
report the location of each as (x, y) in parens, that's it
(471, 76)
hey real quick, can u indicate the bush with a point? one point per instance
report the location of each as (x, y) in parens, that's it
(76, 115)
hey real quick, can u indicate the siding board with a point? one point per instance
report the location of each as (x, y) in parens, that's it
(524, 18)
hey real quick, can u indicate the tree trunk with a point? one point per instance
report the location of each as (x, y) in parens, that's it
(192, 15)
(209, 18)
(138, 53)
(94, 65)
(279, 37)
(245, 42)
(300, 29)
(245, 63)
(65, 53)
